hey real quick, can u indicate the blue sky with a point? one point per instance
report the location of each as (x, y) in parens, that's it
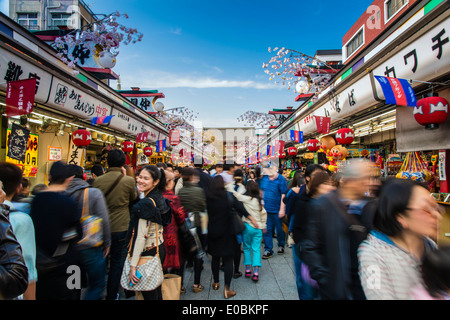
(208, 55)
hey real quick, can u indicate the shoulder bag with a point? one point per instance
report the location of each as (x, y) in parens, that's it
(149, 267)
(91, 225)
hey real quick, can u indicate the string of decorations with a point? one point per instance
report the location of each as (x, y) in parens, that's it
(257, 119)
(297, 70)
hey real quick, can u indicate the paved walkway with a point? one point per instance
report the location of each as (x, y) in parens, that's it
(276, 281)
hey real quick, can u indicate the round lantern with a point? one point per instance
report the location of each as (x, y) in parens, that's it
(127, 146)
(431, 111)
(345, 136)
(282, 155)
(313, 145)
(107, 59)
(81, 137)
(148, 151)
(292, 151)
(302, 86)
(158, 106)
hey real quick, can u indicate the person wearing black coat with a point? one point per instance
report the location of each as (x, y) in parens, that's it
(221, 238)
(13, 271)
(334, 231)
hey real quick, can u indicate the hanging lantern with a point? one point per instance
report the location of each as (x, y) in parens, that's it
(431, 111)
(292, 151)
(282, 155)
(148, 151)
(106, 59)
(313, 145)
(81, 137)
(345, 136)
(127, 146)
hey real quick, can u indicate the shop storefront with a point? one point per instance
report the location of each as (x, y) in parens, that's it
(415, 48)
(64, 102)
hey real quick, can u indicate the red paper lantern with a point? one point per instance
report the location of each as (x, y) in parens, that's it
(127, 146)
(292, 151)
(148, 151)
(81, 137)
(431, 111)
(282, 155)
(345, 136)
(313, 145)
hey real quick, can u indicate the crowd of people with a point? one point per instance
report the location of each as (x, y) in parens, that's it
(352, 236)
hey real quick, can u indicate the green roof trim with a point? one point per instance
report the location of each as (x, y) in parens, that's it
(431, 5)
(81, 77)
(346, 74)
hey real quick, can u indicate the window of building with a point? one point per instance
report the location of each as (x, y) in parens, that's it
(355, 43)
(391, 7)
(61, 19)
(28, 20)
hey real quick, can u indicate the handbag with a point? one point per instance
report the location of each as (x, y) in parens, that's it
(187, 240)
(149, 267)
(91, 225)
(171, 287)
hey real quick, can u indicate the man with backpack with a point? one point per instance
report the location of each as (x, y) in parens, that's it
(95, 244)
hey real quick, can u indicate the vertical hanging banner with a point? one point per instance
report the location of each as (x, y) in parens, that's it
(270, 150)
(297, 136)
(18, 142)
(20, 97)
(397, 91)
(323, 124)
(160, 145)
(279, 146)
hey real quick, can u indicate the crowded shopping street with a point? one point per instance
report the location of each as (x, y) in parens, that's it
(232, 157)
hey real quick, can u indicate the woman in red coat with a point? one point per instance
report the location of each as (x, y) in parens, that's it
(174, 258)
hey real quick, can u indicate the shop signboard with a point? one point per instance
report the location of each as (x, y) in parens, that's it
(13, 68)
(128, 124)
(74, 101)
(424, 58)
(54, 154)
(155, 159)
(30, 163)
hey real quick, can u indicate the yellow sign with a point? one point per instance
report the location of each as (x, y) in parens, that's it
(155, 159)
(30, 164)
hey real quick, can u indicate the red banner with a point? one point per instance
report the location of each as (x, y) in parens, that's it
(141, 137)
(20, 97)
(174, 137)
(323, 124)
(279, 146)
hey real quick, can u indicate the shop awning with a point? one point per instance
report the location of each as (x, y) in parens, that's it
(102, 73)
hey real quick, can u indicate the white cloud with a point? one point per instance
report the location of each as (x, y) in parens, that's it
(169, 80)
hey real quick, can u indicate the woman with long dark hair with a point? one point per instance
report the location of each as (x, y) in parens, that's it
(145, 233)
(252, 235)
(221, 237)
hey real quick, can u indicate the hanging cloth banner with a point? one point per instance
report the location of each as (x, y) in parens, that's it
(18, 142)
(20, 97)
(323, 124)
(141, 137)
(397, 91)
(101, 120)
(297, 136)
(270, 150)
(279, 146)
(160, 145)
